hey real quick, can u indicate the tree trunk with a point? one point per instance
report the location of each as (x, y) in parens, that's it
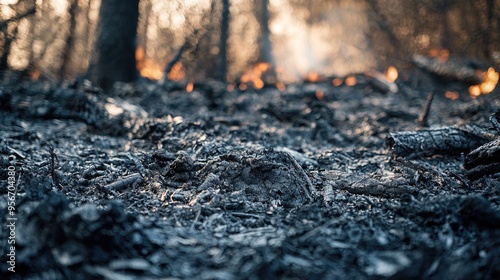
(490, 6)
(70, 41)
(113, 56)
(224, 35)
(265, 47)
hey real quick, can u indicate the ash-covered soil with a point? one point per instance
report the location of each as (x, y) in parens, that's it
(159, 183)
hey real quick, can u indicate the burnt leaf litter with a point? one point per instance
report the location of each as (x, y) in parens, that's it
(158, 183)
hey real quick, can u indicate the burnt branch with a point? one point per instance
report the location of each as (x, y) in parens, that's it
(448, 140)
(448, 69)
(423, 118)
(174, 60)
(484, 160)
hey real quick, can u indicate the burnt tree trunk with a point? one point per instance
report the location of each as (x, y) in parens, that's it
(224, 35)
(490, 6)
(9, 38)
(113, 56)
(70, 40)
(265, 54)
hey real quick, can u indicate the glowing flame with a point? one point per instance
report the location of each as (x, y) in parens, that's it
(147, 67)
(490, 82)
(320, 94)
(391, 74)
(35, 74)
(254, 75)
(280, 86)
(313, 77)
(189, 87)
(337, 82)
(177, 72)
(350, 80)
(441, 55)
(453, 95)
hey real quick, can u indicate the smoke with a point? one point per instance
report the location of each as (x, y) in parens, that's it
(335, 43)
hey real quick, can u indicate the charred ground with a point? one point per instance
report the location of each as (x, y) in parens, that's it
(261, 184)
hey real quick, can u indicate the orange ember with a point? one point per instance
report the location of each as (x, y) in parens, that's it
(337, 82)
(320, 94)
(490, 82)
(391, 74)
(243, 86)
(177, 72)
(442, 55)
(35, 74)
(254, 75)
(147, 67)
(350, 80)
(313, 77)
(189, 87)
(280, 86)
(453, 95)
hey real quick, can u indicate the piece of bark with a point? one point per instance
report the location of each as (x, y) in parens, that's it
(484, 160)
(448, 140)
(448, 69)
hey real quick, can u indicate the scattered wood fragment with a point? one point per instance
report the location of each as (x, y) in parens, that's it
(448, 69)
(423, 118)
(484, 160)
(309, 189)
(448, 140)
(125, 182)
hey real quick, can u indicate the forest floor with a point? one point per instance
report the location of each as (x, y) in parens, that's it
(264, 184)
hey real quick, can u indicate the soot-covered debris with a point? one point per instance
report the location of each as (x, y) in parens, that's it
(157, 183)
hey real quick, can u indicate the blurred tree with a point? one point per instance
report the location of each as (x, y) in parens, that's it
(265, 52)
(9, 30)
(70, 40)
(113, 55)
(224, 36)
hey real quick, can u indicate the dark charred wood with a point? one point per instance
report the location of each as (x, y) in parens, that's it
(484, 160)
(174, 60)
(448, 69)
(423, 118)
(495, 120)
(448, 140)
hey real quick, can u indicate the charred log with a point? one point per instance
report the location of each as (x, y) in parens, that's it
(448, 140)
(448, 69)
(484, 160)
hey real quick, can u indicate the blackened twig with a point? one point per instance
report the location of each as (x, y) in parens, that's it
(124, 182)
(423, 118)
(174, 60)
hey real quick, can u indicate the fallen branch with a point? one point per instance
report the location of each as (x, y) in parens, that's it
(448, 69)
(484, 160)
(125, 182)
(423, 118)
(174, 60)
(448, 140)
